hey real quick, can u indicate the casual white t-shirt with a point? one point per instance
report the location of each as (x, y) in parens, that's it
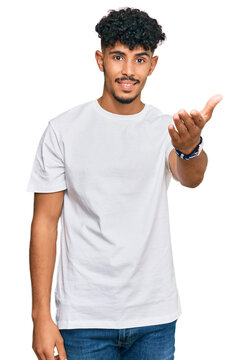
(115, 267)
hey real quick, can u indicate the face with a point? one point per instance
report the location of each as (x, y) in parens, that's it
(125, 70)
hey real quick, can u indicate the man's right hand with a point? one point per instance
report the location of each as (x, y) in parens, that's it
(46, 336)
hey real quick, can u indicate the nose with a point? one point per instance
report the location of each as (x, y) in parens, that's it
(128, 69)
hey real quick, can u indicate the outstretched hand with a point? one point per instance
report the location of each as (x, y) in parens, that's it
(190, 126)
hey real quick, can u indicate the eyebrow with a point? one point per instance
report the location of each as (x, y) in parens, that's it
(122, 53)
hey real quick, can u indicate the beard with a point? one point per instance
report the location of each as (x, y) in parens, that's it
(123, 101)
(119, 99)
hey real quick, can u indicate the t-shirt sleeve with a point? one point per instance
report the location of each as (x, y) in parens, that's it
(169, 145)
(48, 172)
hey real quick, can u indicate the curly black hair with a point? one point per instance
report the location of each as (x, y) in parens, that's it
(132, 27)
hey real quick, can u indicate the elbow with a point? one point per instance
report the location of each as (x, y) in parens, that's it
(193, 184)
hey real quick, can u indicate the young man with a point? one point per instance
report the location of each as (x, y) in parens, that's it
(104, 167)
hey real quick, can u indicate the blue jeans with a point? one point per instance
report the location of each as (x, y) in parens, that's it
(153, 342)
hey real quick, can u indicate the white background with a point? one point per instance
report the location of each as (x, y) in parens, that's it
(48, 66)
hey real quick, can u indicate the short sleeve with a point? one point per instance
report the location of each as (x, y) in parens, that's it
(48, 173)
(169, 145)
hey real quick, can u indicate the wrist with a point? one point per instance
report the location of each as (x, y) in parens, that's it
(188, 154)
(188, 151)
(41, 315)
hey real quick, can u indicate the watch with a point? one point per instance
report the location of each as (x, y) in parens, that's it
(196, 152)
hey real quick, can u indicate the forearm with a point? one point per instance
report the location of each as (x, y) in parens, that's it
(191, 172)
(42, 255)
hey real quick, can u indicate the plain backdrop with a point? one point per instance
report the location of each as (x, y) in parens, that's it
(48, 66)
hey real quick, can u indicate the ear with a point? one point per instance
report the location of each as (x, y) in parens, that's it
(153, 64)
(99, 56)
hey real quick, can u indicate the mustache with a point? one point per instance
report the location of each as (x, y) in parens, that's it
(129, 79)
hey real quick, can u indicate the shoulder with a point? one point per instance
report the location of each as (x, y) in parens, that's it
(63, 122)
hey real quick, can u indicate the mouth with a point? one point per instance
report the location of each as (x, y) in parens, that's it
(127, 85)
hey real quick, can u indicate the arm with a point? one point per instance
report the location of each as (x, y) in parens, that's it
(42, 255)
(47, 210)
(190, 172)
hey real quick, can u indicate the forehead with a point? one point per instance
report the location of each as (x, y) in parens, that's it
(125, 48)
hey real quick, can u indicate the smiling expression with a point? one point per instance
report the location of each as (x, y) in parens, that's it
(125, 70)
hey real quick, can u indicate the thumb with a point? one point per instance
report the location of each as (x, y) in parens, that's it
(61, 351)
(210, 105)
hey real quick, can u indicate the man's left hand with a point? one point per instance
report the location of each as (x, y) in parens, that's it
(190, 126)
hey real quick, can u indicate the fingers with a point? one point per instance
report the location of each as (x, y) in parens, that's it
(210, 105)
(175, 138)
(197, 118)
(40, 355)
(61, 349)
(186, 136)
(48, 355)
(182, 130)
(187, 123)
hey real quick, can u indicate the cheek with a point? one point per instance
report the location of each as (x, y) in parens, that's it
(142, 83)
(142, 77)
(142, 73)
(113, 70)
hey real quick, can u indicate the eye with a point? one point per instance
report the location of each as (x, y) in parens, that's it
(115, 56)
(141, 59)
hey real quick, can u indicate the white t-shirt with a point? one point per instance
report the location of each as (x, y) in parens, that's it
(115, 267)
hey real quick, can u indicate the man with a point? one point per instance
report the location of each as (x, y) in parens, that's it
(104, 167)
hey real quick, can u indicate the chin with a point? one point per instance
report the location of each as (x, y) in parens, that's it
(124, 100)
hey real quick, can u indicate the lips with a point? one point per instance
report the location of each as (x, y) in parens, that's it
(127, 85)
